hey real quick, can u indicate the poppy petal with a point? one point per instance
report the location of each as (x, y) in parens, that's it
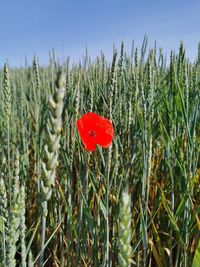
(94, 129)
(105, 134)
(90, 146)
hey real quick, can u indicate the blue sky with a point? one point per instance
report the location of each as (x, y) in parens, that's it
(37, 26)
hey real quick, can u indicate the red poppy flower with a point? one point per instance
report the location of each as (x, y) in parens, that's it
(95, 130)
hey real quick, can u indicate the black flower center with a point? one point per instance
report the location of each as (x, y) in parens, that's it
(92, 133)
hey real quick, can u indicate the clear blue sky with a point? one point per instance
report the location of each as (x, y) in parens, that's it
(36, 26)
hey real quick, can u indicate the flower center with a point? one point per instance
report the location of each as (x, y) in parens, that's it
(92, 133)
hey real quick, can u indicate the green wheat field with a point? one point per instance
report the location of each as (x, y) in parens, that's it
(136, 203)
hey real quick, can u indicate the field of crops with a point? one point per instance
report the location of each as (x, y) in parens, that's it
(135, 203)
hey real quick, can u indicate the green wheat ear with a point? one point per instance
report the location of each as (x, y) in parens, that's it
(3, 218)
(51, 150)
(30, 259)
(6, 91)
(125, 249)
(3, 201)
(53, 130)
(14, 216)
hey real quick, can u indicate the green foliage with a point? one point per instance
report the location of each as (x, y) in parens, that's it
(61, 204)
(196, 260)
